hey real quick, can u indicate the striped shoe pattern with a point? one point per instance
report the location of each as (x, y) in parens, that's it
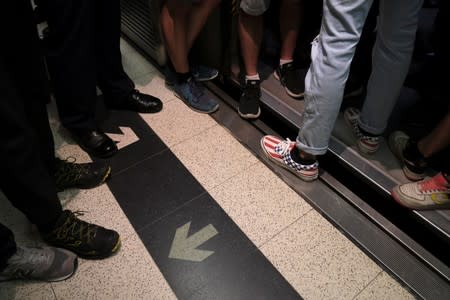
(366, 144)
(279, 151)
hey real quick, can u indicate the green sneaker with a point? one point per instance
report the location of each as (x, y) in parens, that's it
(86, 240)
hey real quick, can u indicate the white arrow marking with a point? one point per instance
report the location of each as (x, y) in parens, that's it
(126, 138)
(184, 247)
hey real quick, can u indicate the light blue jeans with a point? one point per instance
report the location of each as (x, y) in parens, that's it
(331, 55)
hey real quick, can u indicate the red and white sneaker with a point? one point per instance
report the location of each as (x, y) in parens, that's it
(430, 193)
(279, 151)
(366, 144)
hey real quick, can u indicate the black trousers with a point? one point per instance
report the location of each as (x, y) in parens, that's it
(26, 148)
(83, 52)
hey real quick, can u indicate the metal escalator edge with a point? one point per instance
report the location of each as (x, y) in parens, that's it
(387, 245)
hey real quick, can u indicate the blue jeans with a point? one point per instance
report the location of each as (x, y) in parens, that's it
(331, 55)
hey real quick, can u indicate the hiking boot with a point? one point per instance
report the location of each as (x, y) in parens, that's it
(194, 95)
(85, 239)
(280, 152)
(249, 102)
(414, 164)
(430, 193)
(367, 143)
(45, 264)
(292, 79)
(199, 73)
(82, 176)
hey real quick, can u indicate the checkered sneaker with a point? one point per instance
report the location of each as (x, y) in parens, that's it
(279, 151)
(366, 144)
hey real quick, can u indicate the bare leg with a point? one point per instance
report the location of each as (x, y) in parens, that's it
(250, 32)
(174, 23)
(197, 19)
(290, 12)
(437, 140)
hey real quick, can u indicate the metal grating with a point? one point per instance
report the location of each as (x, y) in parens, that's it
(140, 23)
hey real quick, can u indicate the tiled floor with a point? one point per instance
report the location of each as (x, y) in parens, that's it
(264, 224)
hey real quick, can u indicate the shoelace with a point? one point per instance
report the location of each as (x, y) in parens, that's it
(69, 171)
(195, 89)
(251, 91)
(31, 255)
(284, 147)
(76, 228)
(430, 185)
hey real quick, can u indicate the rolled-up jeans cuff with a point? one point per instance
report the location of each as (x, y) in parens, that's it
(310, 150)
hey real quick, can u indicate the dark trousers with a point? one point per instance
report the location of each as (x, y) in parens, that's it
(83, 51)
(26, 148)
(7, 245)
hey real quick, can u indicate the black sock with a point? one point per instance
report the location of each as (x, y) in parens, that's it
(183, 77)
(295, 155)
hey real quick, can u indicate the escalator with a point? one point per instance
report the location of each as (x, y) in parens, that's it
(353, 191)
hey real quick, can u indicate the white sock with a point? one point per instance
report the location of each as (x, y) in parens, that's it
(285, 61)
(252, 77)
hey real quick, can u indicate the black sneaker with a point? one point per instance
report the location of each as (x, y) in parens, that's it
(414, 164)
(249, 102)
(84, 239)
(292, 79)
(82, 176)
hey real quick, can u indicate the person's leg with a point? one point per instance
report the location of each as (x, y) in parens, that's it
(71, 60)
(392, 53)
(290, 78)
(250, 30)
(437, 140)
(24, 178)
(290, 14)
(174, 22)
(250, 34)
(7, 245)
(118, 89)
(331, 55)
(197, 18)
(112, 79)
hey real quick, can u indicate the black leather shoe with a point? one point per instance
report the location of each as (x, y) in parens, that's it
(95, 142)
(138, 102)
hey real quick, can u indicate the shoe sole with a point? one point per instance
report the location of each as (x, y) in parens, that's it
(293, 95)
(194, 109)
(359, 144)
(299, 175)
(250, 116)
(395, 195)
(206, 78)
